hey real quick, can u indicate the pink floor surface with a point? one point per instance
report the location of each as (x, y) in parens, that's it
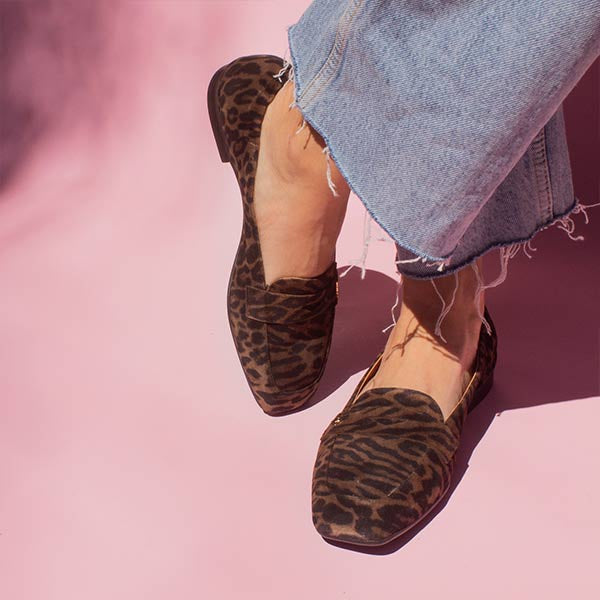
(134, 463)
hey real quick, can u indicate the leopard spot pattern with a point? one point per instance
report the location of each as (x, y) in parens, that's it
(387, 458)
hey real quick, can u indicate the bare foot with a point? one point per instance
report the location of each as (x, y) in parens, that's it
(417, 359)
(298, 217)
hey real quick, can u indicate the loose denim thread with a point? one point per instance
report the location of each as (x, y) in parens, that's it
(445, 308)
(288, 68)
(330, 183)
(367, 239)
(442, 263)
(506, 253)
(398, 288)
(567, 224)
(362, 260)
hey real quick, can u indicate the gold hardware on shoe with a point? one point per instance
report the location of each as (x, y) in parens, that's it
(369, 374)
(361, 384)
(337, 289)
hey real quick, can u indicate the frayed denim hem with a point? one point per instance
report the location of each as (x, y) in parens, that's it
(507, 250)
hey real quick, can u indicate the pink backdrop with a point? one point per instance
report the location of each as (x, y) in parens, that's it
(134, 463)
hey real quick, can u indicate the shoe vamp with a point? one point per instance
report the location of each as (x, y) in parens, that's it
(297, 351)
(375, 465)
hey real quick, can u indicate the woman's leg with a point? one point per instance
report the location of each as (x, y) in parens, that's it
(299, 220)
(415, 357)
(298, 217)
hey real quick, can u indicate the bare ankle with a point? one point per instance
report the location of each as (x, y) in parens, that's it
(457, 295)
(294, 149)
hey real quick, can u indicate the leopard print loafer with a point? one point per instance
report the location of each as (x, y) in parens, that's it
(282, 332)
(386, 460)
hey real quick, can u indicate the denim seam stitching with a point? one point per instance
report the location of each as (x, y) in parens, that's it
(547, 174)
(536, 172)
(540, 162)
(329, 68)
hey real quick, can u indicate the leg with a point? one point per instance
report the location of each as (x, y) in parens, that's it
(414, 357)
(298, 217)
(299, 221)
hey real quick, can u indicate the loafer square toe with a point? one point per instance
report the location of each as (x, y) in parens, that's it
(387, 459)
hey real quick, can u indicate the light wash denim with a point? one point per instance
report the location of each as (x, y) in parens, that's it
(445, 116)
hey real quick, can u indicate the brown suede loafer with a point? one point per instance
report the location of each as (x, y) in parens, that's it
(282, 332)
(386, 460)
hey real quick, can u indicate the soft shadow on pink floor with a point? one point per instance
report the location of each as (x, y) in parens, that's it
(134, 462)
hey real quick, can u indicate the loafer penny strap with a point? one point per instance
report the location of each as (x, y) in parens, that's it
(268, 306)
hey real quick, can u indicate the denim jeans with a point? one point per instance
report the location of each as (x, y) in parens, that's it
(445, 116)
